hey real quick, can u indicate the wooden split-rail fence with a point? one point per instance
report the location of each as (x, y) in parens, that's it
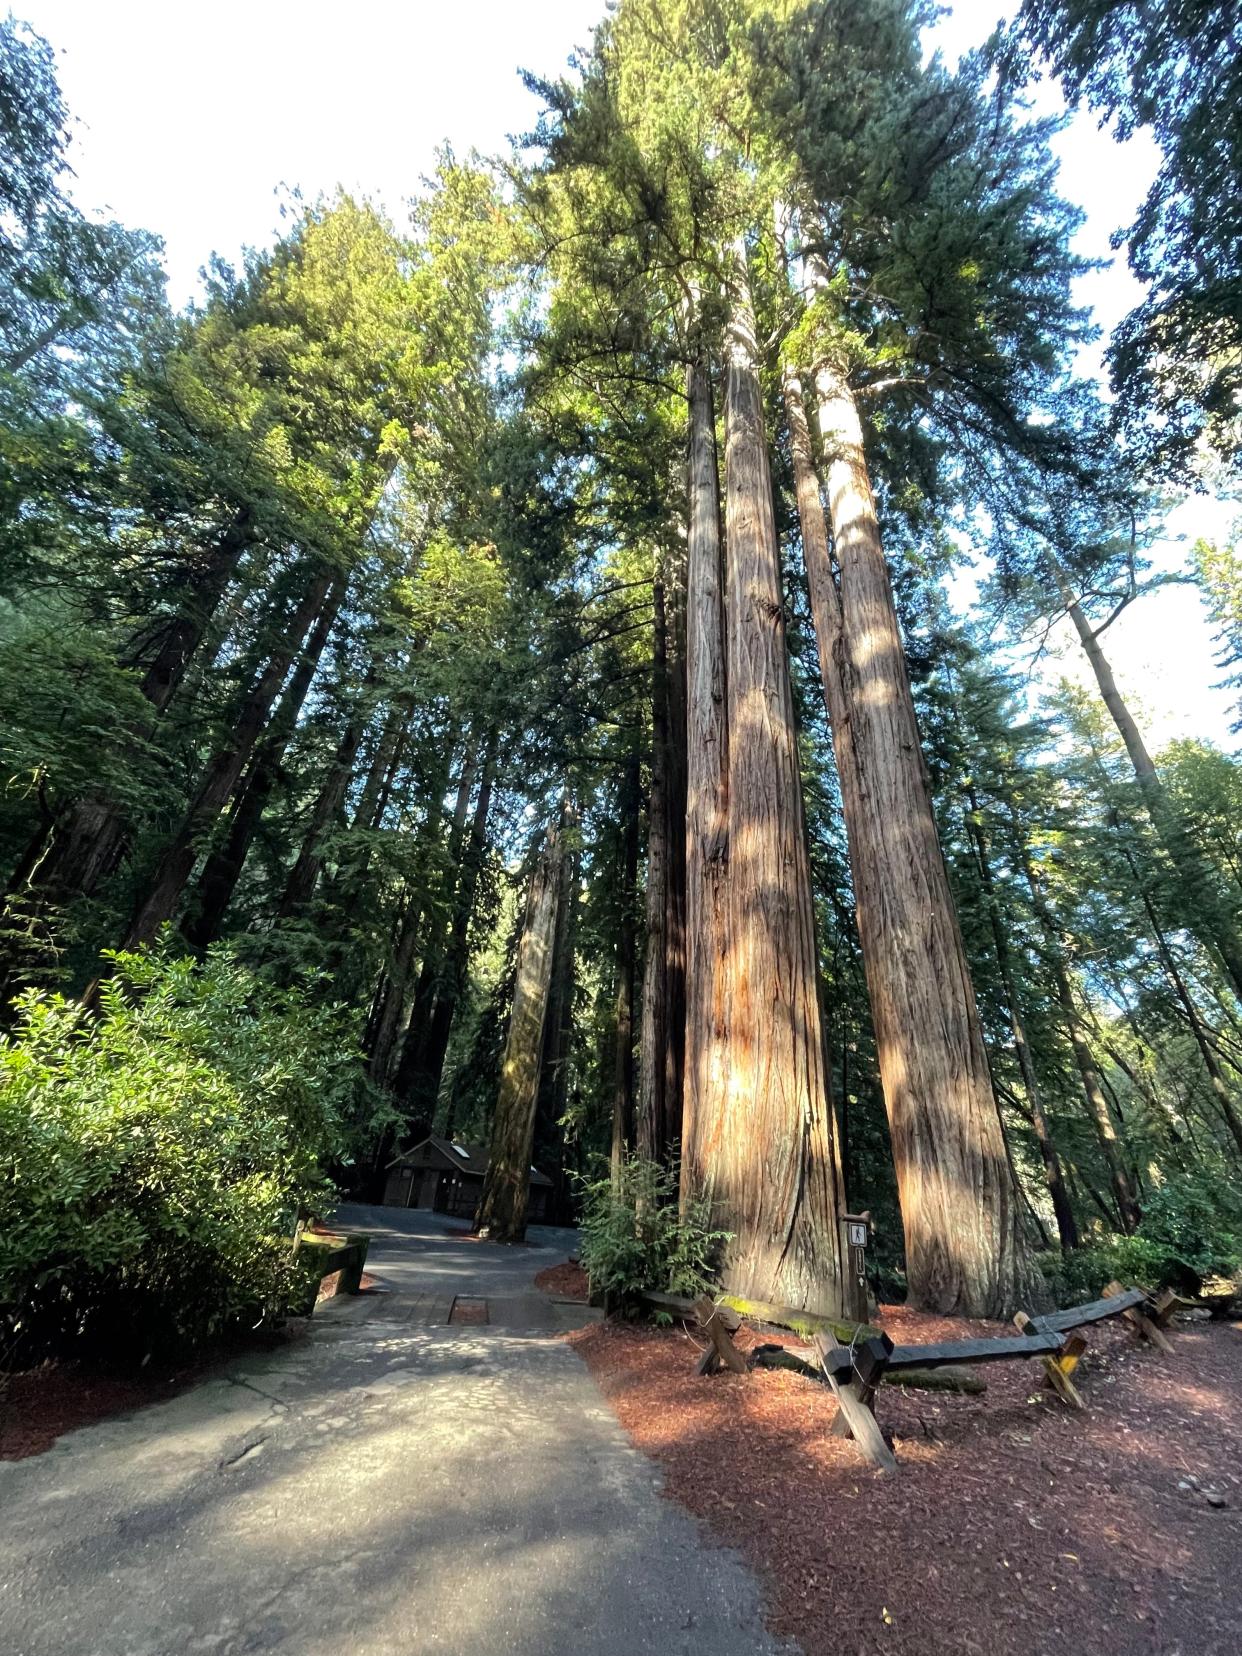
(855, 1371)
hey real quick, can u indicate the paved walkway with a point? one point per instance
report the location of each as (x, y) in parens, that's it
(392, 1486)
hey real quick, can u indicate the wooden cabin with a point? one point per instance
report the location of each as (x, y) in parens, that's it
(447, 1177)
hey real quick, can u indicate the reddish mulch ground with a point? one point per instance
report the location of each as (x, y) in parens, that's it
(40, 1405)
(567, 1281)
(1013, 1527)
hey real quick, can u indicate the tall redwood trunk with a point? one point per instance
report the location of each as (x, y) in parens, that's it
(707, 789)
(223, 868)
(959, 1203)
(769, 1158)
(506, 1188)
(159, 902)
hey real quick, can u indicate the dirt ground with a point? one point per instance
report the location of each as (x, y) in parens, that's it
(1013, 1524)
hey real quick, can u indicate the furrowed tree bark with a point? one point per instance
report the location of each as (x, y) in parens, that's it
(159, 902)
(960, 1207)
(958, 1200)
(506, 1188)
(769, 1158)
(623, 1048)
(707, 790)
(224, 866)
(1207, 913)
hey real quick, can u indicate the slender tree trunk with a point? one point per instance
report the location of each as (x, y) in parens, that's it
(654, 1130)
(160, 900)
(223, 868)
(623, 1059)
(769, 1158)
(959, 1204)
(1207, 913)
(183, 635)
(675, 885)
(457, 959)
(506, 1188)
(707, 793)
(384, 1038)
(417, 1080)
(304, 875)
(1067, 1225)
(1097, 1104)
(1216, 1079)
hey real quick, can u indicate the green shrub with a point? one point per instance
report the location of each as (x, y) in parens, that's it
(633, 1239)
(155, 1157)
(1191, 1230)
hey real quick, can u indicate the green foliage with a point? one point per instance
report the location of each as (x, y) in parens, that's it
(1174, 68)
(1191, 1231)
(157, 1156)
(634, 1239)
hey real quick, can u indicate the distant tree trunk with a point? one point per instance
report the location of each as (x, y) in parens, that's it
(506, 1188)
(182, 636)
(304, 875)
(1093, 1093)
(1216, 1077)
(417, 1080)
(959, 1202)
(223, 868)
(384, 1036)
(707, 793)
(1062, 1207)
(1206, 911)
(435, 1049)
(675, 884)
(159, 902)
(769, 1160)
(623, 1059)
(552, 1099)
(85, 845)
(653, 1128)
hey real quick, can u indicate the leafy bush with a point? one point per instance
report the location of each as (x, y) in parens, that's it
(1191, 1230)
(633, 1239)
(156, 1156)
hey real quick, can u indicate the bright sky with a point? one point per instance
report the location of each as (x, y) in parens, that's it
(191, 119)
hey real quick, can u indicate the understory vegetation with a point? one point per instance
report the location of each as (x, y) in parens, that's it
(158, 1154)
(620, 664)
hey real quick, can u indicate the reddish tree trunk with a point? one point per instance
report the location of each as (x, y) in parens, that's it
(769, 1158)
